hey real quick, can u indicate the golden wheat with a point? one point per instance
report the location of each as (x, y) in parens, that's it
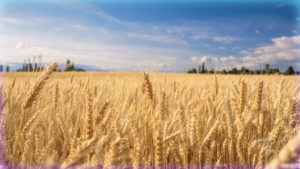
(167, 121)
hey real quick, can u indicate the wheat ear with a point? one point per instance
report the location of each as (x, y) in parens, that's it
(35, 90)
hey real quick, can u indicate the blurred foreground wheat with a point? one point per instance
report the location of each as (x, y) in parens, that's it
(148, 120)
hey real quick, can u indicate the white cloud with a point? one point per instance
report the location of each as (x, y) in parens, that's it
(104, 15)
(79, 27)
(295, 31)
(206, 59)
(256, 31)
(244, 52)
(200, 37)
(12, 21)
(158, 38)
(228, 59)
(224, 39)
(271, 27)
(195, 59)
(298, 19)
(283, 49)
(219, 63)
(221, 47)
(281, 5)
(20, 45)
(164, 65)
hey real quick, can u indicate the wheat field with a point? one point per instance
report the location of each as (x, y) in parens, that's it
(148, 120)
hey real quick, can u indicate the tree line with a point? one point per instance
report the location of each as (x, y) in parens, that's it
(37, 67)
(1, 68)
(243, 70)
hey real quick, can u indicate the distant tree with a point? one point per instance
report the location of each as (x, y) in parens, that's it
(30, 67)
(212, 70)
(262, 71)
(275, 71)
(244, 70)
(203, 67)
(199, 69)
(289, 71)
(70, 66)
(234, 71)
(79, 70)
(223, 71)
(1, 68)
(193, 70)
(7, 68)
(267, 67)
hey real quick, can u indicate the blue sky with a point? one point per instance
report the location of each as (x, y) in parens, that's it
(171, 36)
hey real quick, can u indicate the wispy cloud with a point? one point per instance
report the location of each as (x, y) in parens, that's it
(203, 36)
(104, 15)
(224, 39)
(256, 31)
(221, 47)
(295, 31)
(13, 21)
(157, 38)
(79, 27)
(283, 4)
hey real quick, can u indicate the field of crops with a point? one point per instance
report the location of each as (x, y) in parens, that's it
(152, 120)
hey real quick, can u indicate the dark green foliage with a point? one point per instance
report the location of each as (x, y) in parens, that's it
(275, 71)
(267, 67)
(203, 67)
(289, 71)
(234, 71)
(223, 71)
(244, 70)
(70, 67)
(193, 70)
(7, 68)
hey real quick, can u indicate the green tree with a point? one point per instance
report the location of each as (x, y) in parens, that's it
(203, 67)
(199, 70)
(193, 70)
(223, 71)
(267, 67)
(7, 68)
(275, 70)
(234, 71)
(69, 66)
(244, 70)
(289, 71)
(30, 67)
